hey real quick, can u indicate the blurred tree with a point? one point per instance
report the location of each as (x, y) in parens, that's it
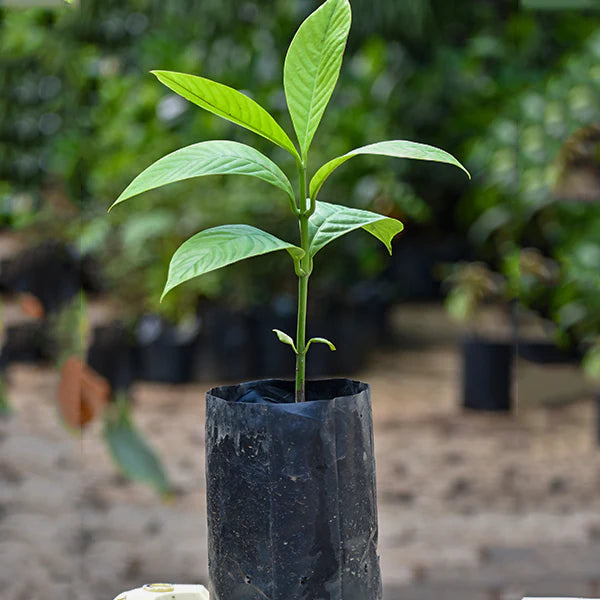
(80, 118)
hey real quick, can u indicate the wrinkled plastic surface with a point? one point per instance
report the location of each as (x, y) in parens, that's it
(292, 510)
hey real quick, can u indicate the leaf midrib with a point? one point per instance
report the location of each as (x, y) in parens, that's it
(254, 161)
(326, 221)
(311, 100)
(232, 117)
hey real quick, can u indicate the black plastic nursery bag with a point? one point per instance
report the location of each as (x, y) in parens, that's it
(292, 511)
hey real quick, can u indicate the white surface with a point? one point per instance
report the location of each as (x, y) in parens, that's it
(165, 591)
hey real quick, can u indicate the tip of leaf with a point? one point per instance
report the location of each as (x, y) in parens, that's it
(124, 195)
(400, 230)
(465, 170)
(164, 294)
(161, 73)
(158, 74)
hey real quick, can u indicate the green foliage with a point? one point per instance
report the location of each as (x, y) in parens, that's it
(470, 285)
(331, 221)
(208, 158)
(591, 362)
(69, 331)
(312, 67)
(539, 199)
(284, 338)
(311, 72)
(321, 340)
(76, 76)
(130, 451)
(561, 4)
(395, 148)
(5, 408)
(228, 103)
(221, 246)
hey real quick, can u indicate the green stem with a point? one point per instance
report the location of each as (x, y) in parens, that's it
(4, 406)
(305, 269)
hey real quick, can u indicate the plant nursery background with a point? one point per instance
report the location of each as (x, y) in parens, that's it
(480, 335)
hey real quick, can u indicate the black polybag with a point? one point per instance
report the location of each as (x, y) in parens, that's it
(487, 375)
(291, 500)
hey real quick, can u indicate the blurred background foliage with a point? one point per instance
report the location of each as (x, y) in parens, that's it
(537, 214)
(511, 92)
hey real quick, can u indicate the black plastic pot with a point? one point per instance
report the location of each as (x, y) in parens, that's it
(546, 353)
(487, 375)
(291, 501)
(347, 327)
(164, 353)
(111, 354)
(224, 349)
(275, 360)
(25, 342)
(374, 302)
(50, 271)
(414, 262)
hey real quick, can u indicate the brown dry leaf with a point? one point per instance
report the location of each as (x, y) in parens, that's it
(32, 306)
(82, 393)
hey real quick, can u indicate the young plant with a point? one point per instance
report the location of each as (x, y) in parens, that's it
(310, 74)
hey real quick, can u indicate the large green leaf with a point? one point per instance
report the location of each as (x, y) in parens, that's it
(393, 148)
(217, 157)
(331, 221)
(227, 103)
(312, 66)
(131, 452)
(221, 246)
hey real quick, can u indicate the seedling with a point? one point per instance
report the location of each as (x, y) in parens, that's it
(311, 70)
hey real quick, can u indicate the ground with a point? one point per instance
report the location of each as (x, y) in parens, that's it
(470, 505)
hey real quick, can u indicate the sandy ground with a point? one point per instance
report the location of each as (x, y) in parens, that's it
(470, 505)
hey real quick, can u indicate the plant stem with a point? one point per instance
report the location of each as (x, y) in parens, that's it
(301, 339)
(302, 289)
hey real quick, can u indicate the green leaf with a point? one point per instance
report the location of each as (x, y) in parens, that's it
(312, 66)
(560, 4)
(227, 103)
(591, 363)
(331, 221)
(216, 157)
(284, 338)
(221, 246)
(461, 304)
(320, 340)
(393, 148)
(4, 405)
(132, 453)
